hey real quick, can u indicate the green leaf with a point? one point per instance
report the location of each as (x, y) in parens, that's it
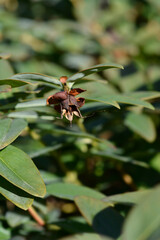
(14, 82)
(113, 99)
(113, 156)
(144, 219)
(29, 115)
(104, 219)
(23, 114)
(86, 236)
(142, 125)
(144, 95)
(5, 234)
(18, 168)
(10, 130)
(92, 70)
(34, 78)
(105, 101)
(17, 196)
(127, 198)
(32, 103)
(155, 162)
(70, 191)
(15, 219)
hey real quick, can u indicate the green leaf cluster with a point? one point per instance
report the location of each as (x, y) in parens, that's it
(99, 179)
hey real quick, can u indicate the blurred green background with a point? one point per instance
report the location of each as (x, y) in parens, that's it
(61, 37)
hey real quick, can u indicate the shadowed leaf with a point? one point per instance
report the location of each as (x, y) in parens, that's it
(104, 219)
(17, 196)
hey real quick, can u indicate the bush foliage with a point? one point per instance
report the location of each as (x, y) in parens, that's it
(97, 179)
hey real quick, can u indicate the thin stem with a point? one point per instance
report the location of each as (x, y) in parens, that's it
(36, 217)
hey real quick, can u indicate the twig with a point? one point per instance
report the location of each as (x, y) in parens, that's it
(35, 215)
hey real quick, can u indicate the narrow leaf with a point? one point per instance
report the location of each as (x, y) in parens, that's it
(127, 198)
(105, 101)
(10, 130)
(144, 95)
(18, 168)
(92, 70)
(112, 99)
(113, 156)
(14, 82)
(36, 78)
(64, 132)
(70, 191)
(32, 103)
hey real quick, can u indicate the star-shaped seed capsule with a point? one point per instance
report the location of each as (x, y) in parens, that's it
(65, 101)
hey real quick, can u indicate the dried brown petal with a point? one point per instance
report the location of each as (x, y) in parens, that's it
(72, 100)
(57, 108)
(57, 98)
(65, 104)
(76, 91)
(80, 102)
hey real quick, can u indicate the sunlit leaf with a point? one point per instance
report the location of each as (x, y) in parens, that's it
(92, 70)
(155, 162)
(32, 103)
(34, 78)
(70, 191)
(18, 168)
(23, 114)
(14, 82)
(10, 130)
(128, 198)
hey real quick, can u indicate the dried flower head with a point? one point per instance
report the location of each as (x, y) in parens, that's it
(65, 101)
